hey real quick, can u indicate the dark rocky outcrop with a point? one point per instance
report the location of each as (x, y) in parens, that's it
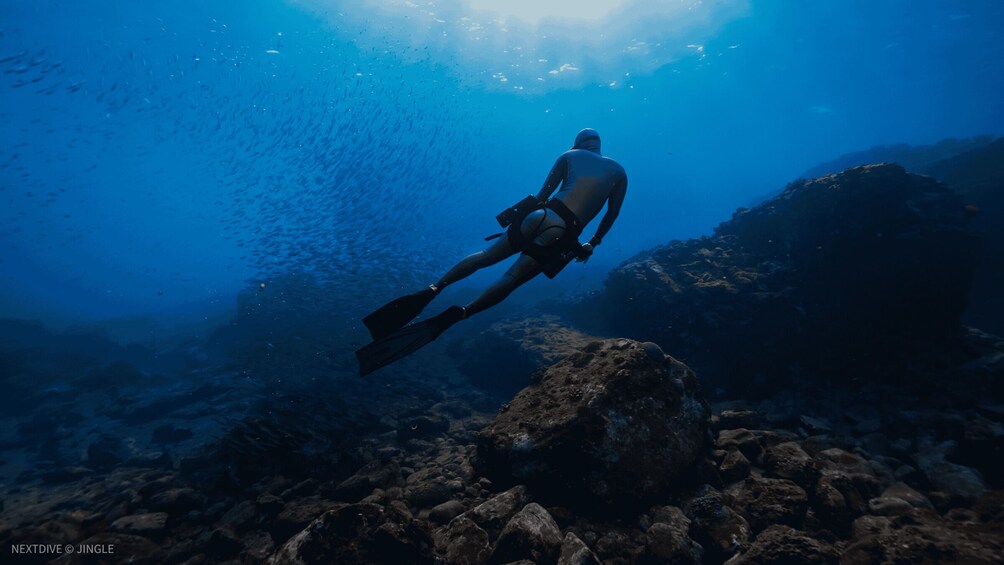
(978, 175)
(619, 466)
(974, 168)
(861, 274)
(615, 424)
(914, 158)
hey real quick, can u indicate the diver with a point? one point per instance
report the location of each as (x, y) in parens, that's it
(543, 229)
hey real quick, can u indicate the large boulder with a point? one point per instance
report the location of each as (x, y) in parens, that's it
(826, 279)
(531, 534)
(614, 425)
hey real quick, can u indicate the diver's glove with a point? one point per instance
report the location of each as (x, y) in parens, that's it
(585, 252)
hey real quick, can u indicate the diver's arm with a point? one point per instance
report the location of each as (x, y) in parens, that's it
(614, 203)
(554, 178)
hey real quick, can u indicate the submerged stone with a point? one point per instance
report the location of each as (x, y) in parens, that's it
(606, 426)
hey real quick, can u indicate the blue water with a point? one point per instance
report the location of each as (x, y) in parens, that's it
(157, 158)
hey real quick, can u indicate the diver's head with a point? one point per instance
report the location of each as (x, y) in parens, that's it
(587, 139)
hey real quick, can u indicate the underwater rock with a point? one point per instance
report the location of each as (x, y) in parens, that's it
(718, 528)
(151, 525)
(530, 534)
(888, 506)
(427, 488)
(356, 534)
(462, 542)
(978, 175)
(667, 540)
(494, 513)
(822, 280)
(258, 546)
(922, 536)
(610, 425)
(742, 440)
(372, 475)
(907, 494)
(838, 499)
(446, 511)
(269, 504)
(764, 502)
(782, 545)
(575, 552)
(501, 359)
(297, 514)
(788, 461)
(982, 447)
(961, 483)
(239, 517)
(220, 543)
(734, 467)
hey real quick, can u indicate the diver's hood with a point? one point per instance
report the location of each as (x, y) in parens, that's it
(587, 139)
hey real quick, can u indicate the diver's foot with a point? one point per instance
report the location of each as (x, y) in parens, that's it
(396, 313)
(407, 340)
(442, 322)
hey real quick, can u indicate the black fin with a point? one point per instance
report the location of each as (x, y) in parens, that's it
(396, 313)
(405, 341)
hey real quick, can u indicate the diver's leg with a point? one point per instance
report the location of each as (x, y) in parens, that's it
(396, 313)
(496, 252)
(524, 269)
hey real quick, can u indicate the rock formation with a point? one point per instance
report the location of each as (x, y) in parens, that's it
(858, 274)
(616, 424)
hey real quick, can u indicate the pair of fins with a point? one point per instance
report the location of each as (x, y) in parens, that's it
(391, 341)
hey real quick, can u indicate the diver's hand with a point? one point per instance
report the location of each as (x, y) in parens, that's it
(585, 253)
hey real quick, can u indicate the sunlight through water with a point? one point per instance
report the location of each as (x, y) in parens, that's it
(535, 47)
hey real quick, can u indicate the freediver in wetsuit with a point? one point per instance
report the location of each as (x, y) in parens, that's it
(544, 229)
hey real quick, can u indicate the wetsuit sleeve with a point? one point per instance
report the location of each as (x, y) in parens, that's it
(614, 203)
(554, 178)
